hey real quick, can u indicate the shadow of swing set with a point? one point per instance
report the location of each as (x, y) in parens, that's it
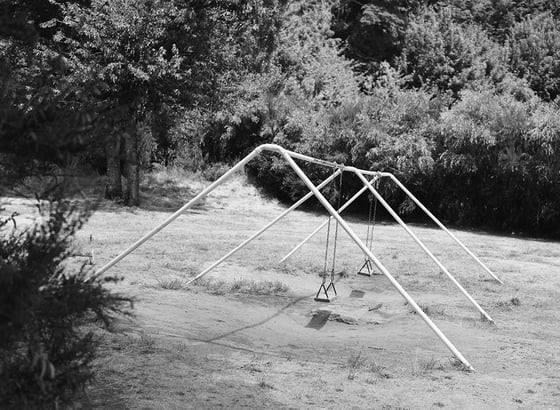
(371, 260)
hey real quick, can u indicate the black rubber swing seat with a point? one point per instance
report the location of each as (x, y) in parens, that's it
(368, 269)
(325, 297)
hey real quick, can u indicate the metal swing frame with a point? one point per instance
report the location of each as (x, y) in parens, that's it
(290, 158)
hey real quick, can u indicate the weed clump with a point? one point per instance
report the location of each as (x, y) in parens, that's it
(508, 304)
(170, 284)
(359, 361)
(246, 286)
(424, 366)
(222, 287)
(429, 310)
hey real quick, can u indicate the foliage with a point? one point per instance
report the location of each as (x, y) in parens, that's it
(535, 53)
(455, 97)
(497, 163)
(468, 139)
(45, 353)
(125, 47)
(43, 117)
(46, 124)
(440, 52)
(373, 30)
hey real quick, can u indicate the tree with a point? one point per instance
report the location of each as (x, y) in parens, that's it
(440, 52)
(45, 351)
(535, 53)
(43, 117)
(158, 59)
(373, 30)
(126, 45)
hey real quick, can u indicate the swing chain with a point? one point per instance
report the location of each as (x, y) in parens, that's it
(336, 226)
(323, 282)
(371, 219)
(324, 275)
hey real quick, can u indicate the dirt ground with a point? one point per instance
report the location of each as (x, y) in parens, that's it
(250, 335)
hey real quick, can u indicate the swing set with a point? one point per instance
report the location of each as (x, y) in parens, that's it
(367, 268)
(370, 259)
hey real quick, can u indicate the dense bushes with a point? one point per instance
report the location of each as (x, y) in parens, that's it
(463, 115)
(490, 160)
(497, 163)
(535, 53)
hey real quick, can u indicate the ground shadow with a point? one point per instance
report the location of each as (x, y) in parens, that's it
(319, 319)
(259, 323)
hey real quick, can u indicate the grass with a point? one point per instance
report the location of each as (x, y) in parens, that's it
(457, 364)
(142, 343)
(246, 286)
(170, 283)
(223, 287)
(422, 367)
(169, 188)
(264, 385)
(172, 369)
(508, 304)
(358, 361)
(430, 310)
(84, 248)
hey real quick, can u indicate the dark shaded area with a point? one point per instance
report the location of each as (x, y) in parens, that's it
(319, 319)
(357, 293)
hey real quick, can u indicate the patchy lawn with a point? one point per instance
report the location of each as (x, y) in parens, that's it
(250, 334)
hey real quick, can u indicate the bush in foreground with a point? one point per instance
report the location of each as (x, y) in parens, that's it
(45, 349)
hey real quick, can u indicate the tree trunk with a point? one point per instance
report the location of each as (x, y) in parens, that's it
(113, 189)
(132, 197)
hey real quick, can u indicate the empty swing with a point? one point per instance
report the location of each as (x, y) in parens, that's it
(367, 268)
(324, 296)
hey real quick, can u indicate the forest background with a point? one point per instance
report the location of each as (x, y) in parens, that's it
(458, 98)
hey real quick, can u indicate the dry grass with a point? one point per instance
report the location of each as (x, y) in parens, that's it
(421, 367)
(194, 347)
(360, 364)
(223, 287)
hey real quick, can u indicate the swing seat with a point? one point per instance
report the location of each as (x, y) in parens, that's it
(367, 269)
(325, 299)
(324, 296)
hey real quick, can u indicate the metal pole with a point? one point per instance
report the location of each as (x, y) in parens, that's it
(421, 244)
(307, 158)
(312, 234)
(188, 205)
(377, 263)
(442, 226)
(259, 232)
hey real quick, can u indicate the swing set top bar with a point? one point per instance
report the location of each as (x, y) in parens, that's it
(280, 150)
